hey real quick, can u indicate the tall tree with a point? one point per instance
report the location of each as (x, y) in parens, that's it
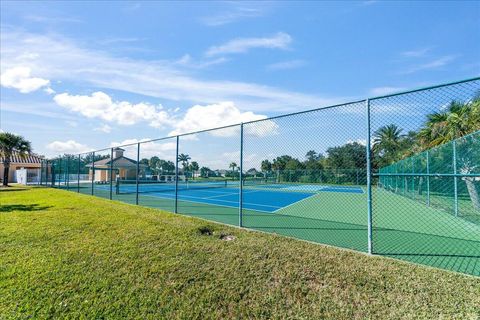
(184, 158)
(266, 166)
(279, 163)
(167, 166)
(154, 164)
(205, 172)
(349, 156)
(11, 144)
(458, 120)
(314, 160)
(233, 165)
(387, 144)
(194, 167)
(311, 155)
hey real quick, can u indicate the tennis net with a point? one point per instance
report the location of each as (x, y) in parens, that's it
(258, 180)
(149, 186)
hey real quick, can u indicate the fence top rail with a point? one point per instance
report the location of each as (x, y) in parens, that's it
(295, 113)
(425, 88)
(380, 174)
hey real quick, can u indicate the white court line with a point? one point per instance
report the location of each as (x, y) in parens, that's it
(215, 204)
(255, 204)
(291, 204)
(221, 195)
(231, 194)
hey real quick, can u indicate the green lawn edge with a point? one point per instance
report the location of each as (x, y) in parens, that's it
(75, 256)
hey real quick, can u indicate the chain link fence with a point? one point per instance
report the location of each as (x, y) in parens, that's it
(397, 175)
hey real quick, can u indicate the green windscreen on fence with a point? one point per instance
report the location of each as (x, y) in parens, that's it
(397, 175)
(444, 177)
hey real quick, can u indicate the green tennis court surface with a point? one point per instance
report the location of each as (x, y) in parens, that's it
(409, 230)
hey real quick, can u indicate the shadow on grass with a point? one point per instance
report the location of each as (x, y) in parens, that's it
(12, 189)
(22, 207)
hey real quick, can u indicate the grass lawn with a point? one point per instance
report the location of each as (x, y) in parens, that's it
(70, 255)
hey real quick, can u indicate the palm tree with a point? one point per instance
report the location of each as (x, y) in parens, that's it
(10, 144)
(183, 158)
(194, 167)
(458, 120)
(387, 143)
(233, 165)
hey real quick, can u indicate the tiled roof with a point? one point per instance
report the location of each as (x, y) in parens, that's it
(119, 162)
(16, 158)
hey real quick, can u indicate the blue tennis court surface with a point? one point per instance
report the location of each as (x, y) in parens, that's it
(313, 188)
(259, 200)
(266, 198)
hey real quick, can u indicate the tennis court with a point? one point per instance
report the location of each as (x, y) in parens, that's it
(268, 198)
(417, 201)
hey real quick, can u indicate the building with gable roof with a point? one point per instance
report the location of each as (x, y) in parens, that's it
(123, 168)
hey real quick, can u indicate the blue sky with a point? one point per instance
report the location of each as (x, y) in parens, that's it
(78, 76)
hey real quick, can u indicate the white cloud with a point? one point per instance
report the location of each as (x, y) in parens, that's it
(362, 142)
(104, 128)
(434, 64)
(111, 41)
(187, 61)
(100, 105)
(284, 65)
(20, 78)
(164, 149)
(72, 123)
(416, 53)
(51, 19)
(381, 91)
(62, 59)
(35, 107)
(49, 90)
(234, 15)
(218, 115)
(240, 45)
(69, 146)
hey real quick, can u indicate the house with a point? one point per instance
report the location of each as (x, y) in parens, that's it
(123, 168)
(32, 163)
(252, 172)
(221, 173)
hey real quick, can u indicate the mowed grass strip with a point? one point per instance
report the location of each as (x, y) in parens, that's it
(67, 255)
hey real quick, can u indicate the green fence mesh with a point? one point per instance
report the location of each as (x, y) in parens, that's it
(397, 175)
(445, 177)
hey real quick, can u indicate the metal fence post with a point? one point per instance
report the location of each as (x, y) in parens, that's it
(78, 174)
(369, 182)
(240, 197)
(67, 173)
(93, 171)
(428, 179)
(52, 174)
(176, 177)
(455, 179)
(138, 172)
(111, 173)
(41, 172)
(413, 179)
